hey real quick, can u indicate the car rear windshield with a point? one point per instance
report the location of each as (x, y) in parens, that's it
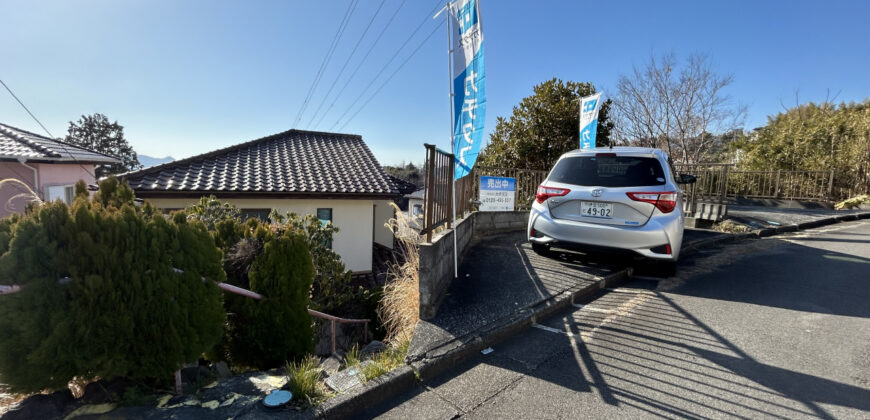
(609, 171)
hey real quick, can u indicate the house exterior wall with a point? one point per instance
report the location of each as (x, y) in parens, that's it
(355, 220)
(383, 213)
(50, 174)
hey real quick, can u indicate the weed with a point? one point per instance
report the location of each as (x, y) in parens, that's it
(399, 309)
(383, 362)
(351, 359)
(729, 226)
(303, 380)
(852, 202)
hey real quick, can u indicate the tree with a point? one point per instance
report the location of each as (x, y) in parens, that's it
(675, 109)
(543, 127)
(814, 137)
(95, 132)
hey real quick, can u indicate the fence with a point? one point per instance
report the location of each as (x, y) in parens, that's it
(439, 193)
(718, 182)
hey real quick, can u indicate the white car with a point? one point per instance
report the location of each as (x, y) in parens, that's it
(611, 199)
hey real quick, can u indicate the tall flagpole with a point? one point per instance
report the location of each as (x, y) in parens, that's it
(452, 146)
(452, 140)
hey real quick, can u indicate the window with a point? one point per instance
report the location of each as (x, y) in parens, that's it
(418, 210)
(609, 171)
(64, 193)
(262, 214)
(325, 216)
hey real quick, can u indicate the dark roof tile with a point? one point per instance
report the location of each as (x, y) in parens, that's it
(294, 161)
(15, 143)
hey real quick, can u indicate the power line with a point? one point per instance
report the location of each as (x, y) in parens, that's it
(436, 28)
(326, 59)
(365, 57)
(62, 144)
(359, 41)
(26, 109)
(384, 68)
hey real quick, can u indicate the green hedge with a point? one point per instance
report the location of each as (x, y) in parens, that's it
(123, 311)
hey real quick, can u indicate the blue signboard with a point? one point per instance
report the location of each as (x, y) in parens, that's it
(497, 193)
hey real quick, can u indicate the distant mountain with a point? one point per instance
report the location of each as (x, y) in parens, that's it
(148, 161)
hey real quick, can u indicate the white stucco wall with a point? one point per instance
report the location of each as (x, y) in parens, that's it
(383, 213)
(355, 220)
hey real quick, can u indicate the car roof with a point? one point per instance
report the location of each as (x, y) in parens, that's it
(621, 150)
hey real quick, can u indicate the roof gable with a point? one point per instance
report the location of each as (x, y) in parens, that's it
(292, 162)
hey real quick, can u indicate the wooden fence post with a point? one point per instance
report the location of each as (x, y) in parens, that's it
(831, 186)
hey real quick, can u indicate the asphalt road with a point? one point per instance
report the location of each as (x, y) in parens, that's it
(772, 328)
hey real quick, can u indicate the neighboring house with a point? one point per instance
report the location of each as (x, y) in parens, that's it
(50, 167)
(415, 210)
(333, 176)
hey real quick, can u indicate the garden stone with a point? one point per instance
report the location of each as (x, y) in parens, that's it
(371, 349)
(221, 370)
(332, 364)
(42, 406)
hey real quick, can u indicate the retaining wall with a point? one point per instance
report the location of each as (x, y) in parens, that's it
(436, 258)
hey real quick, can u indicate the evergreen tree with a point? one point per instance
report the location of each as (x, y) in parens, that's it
(95, 132)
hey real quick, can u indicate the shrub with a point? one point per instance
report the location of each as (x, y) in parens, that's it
(331, 289)
(267, 333)
(120, 309)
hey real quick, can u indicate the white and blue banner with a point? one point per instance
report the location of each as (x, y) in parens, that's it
(469, 84)
(589, 107)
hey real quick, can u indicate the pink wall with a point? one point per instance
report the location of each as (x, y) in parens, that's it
(49, 174)
(63, 174)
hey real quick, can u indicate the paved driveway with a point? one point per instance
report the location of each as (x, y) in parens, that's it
(773, 328)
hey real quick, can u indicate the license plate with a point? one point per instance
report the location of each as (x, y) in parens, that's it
(596, 209)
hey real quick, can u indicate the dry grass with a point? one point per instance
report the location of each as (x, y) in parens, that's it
(25, 191)
(729, 226)
(399, 308)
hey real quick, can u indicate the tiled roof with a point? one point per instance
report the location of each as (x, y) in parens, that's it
(404, 187)
(15, 143)
(292, 162)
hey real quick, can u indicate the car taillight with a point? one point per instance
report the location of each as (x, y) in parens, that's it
(666, 202)
(544, 193)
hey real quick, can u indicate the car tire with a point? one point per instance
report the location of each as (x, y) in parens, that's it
(540, 249)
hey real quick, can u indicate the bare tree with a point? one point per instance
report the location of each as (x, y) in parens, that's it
(675, 109)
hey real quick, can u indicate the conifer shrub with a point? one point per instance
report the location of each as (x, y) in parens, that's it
(267, 333)
(99, 294)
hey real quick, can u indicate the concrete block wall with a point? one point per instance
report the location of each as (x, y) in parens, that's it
(436, 259)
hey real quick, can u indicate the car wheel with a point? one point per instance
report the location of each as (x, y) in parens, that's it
(540, 249)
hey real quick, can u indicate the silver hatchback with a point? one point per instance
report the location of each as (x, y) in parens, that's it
(621, 198)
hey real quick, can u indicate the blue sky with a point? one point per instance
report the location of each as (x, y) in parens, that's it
(187, 77)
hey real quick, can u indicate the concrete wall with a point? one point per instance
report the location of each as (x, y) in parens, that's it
(356, 221)
(436, 258)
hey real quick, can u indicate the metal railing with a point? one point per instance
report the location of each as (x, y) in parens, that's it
(10, 289)
(438, 196)
(718, 182)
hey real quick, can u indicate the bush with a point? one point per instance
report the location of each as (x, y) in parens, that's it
(121, 310)
(266, 333)
(303, 380)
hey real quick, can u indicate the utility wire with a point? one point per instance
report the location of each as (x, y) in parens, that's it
(359, 41)
(365, 57)
(62, 144)
(384, 68)
(323, 64)
(26, 109)
(436, 28)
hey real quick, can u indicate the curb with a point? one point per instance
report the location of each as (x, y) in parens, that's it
(442, 358)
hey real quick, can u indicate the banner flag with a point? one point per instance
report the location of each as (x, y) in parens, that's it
(469, 84)
(589, 107)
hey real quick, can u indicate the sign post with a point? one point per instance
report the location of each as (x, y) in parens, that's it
(497, 193)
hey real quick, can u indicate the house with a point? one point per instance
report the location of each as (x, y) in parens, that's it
(48, 166)
(334, 176)
(415, 210)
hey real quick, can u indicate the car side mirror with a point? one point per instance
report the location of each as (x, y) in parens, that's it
(686, 179)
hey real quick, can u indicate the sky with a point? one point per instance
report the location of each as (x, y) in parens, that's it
(188, 77)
